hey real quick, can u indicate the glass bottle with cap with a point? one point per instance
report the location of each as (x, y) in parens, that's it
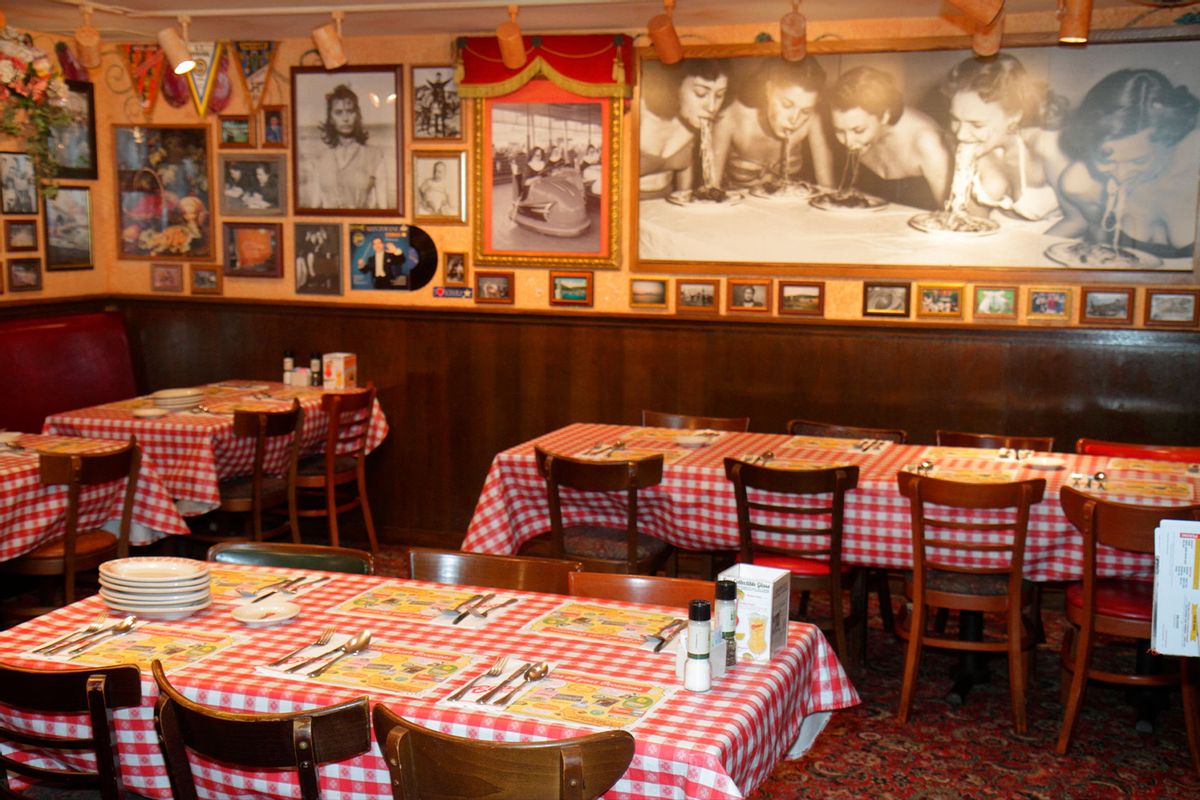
(727, 619)
(697, 672)
(289, 366)
(314, 364)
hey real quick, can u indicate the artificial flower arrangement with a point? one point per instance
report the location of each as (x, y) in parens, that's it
(33, 97)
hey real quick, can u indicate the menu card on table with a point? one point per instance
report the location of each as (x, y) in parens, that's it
(590, 699)
(173, 645)
(573, 620)
(436, 605)
(1175, 629)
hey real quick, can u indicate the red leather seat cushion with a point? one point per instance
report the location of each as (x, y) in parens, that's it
(1117, 597)
(795, 564)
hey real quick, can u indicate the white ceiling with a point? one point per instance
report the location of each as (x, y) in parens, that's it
(249, 19)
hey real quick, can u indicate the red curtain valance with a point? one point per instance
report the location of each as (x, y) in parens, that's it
(593, 65)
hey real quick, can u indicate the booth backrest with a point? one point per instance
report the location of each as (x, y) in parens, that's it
(52, 364)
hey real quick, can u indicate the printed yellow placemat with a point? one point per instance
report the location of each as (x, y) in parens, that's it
(227, 582)
(670, 455)
(1147, 465)
(794, 464)
(968, 475)
(84, 446)
(412, 603)
(1176, 490)
(821, 443)
(961, 452)
(670, 435)
(175, 646)
(590, 699)
(574, 620)
(392, 668)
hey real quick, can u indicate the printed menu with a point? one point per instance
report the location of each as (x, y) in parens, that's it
(574, 620)
(405, 602)
(392, 668)
(175, 646)
(590, 699)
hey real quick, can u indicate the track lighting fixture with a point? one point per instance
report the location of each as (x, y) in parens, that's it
(87, 40)
(1074, 21)
(983, 12)
(512, 43)
(175, 47)
(328, 39)
(793, 34)
(986, 39)
(661, 28)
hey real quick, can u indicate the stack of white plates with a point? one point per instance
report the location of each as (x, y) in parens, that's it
(177, 399)
(156, 588)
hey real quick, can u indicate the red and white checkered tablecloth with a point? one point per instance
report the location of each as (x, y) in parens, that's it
(193, 452)
(31, 513)
(719, 744)
(694, 507)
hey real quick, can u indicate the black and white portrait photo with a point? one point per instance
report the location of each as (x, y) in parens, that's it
(437, 109)
(347, 132)
(18, 190)
(456, 269)
(439, 186)
(253, 185)
(318, 249)
(749, 295)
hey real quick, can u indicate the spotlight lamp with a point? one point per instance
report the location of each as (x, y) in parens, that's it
(983, 12)
(1074, 21)
(512, 43)
(87, 40)
(328, 39)
(986, 39)
(175, 47)
(793, 34)
(664, 36)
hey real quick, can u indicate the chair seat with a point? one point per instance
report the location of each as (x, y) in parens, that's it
(940, 580)
(608, 544)
(808, 567)
(274, 490)
(315, 465)
(86, 543)
(1126, 599)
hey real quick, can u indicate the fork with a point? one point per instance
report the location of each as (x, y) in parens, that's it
(320, 641)
(92, 627)
(495, 669)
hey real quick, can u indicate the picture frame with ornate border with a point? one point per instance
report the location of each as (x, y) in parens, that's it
(1172, 308)
(940, 300)
(166, 277)
(802, 298)
(206, 279)
(648, 293)
(454, 269)
(253, 249)
(235, 132)
(492, 286)
(995, 302)
(886, 299)
(1106, 305)
(20, 235)
(697, 296)
(243, 193)
(438, 198)
(1048, 303)
(436, 110)
(273, 127)
(68, 229)
(748, 296)
(571, 288)
(24, 274)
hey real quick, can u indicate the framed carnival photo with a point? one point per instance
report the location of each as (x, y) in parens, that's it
(73, 146)
(253, 250)
(166, 277)
(205, 279)
(570, 288)
(494, 287)
(1049, 304)
(802, 298)
(20, 234)
(1106, 305)
(347, 134)
(318, 249)
(942, 300)
(274, 127)
(455, 271)
(253, 185)
(885, 299)
(18, 189)
(236, 131)
(546, 187)
(164, 208)
(436, 106)
(749, 296)
(697, 296)
(24, 274)
(1172, 308)
(439, 182)
(995, 302)
(648, 293)
(69, 229)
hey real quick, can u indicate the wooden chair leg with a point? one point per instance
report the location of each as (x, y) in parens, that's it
(1066, 665)
(883, 590)
(1083, 656)
(912, 660)
(837, 609)
(1016, 669)
(331, 511)
(366, 511)
(1191, 711)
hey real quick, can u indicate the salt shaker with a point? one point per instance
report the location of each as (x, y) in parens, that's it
(289, 366)
(727, 619)
(697, 672)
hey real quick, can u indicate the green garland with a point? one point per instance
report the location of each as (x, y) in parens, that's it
(34, 103)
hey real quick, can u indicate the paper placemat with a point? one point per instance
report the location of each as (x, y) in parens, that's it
(425, 605)
(1137, 488)
(968, 475)
(175, 646)
(576, 697)
(1147, 465)
(670, 456)
(822, 443)
(793, 464)
(382, 667)
(961, 452)
(575, 620)
(226, 582)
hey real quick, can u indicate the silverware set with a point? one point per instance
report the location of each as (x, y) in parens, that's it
(1093, 481)
(94, 633)
(473, 606)
(355, 644)
(528, 672)
(288, 586)
(924, 468)
(602, 449)
(764, 458)
(869, 445)
(666, 634)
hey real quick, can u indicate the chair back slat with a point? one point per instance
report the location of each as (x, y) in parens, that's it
(349, 415)
(525, 573)
(1119, 525)
(664, 419)
(805, 427)
(295, 556)
(649, 589)
(1042, 444)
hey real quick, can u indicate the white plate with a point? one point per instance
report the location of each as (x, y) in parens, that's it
(150, 412)
(152, 600)
(154, 569)
(266, 613)
(175, 394)
(693, 441)
(1045, 462)
(163, 613)
(156, 587)
(245, 387)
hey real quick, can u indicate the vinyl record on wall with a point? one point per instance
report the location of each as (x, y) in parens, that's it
(427, 257)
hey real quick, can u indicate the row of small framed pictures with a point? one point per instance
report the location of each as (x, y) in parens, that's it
(246, 131)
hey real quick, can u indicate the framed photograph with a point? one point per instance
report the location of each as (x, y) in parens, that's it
(73, 146)
(347, 134)
(318, 249)
(20, 234)
(455, 271)
(1172, 308)
(439, 187)
(24, 274)
(253, 249)
(546, 186)
(570, 288)
(885, 299)
(940, 300)
(648, 293)
(253, 185)
(18, 189)
(436, 107)
(749, 296)
(803, 298)
(274, 127)
(1049, 303)
(995, 302)
(206, 279)
(494, 287)
(697, 296)
(164, 209)
(69, 229)
(237, 131)
(1108, 305)
(166, 277)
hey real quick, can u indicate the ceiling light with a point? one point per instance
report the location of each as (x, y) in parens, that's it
(512, 43)
(87, 40)
(328, 39)
(984, 12)
(793, 34)
(664, 36)
(1074, 21)
(175, 47)
(986, 39)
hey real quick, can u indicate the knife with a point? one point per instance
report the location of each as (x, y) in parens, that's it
(279, 588)
(468, 608)
(670, 636)
(517, 673)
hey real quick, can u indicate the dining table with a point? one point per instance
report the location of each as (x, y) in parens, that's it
(194, 449)
(694, 507)
(603, 675)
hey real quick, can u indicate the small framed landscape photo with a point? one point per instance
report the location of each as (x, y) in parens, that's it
(24, 274)
(570, 288)
(802, 298)
(995, 302)
(940, 300)
(885, 299)
(494, 287)
(439, 187)
(20, 234)
(455, 271)
(1049, 303)
(1106, 305)
(697, 296)
(274, 127)
(253, 250)
(236, 131)
(166, 277)
(648, 293)
(206, 278)
(749, 295)
(1172, 308)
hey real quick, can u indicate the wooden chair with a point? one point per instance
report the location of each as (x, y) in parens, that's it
(342, 466)
(94, 691)
(1116, 607)
(429, 765)
(790, 505)
(295, 556)
(600, 548)
(663, 419)
(295, 742)
(1157, 452)
(649, 589)
(526, 573)
(804, 427)
(942, 540)
(77, 550)
(1042, 444)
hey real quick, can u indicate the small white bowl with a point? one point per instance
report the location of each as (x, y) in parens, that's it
(258, 615)
(150, 413)
(1045, 462)
(692, 440)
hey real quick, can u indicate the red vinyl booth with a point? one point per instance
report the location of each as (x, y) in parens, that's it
(1158, 452)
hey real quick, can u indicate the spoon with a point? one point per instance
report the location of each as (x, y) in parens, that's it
(535, 673)
(79, 635)
(352, 645)
(120, 629)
